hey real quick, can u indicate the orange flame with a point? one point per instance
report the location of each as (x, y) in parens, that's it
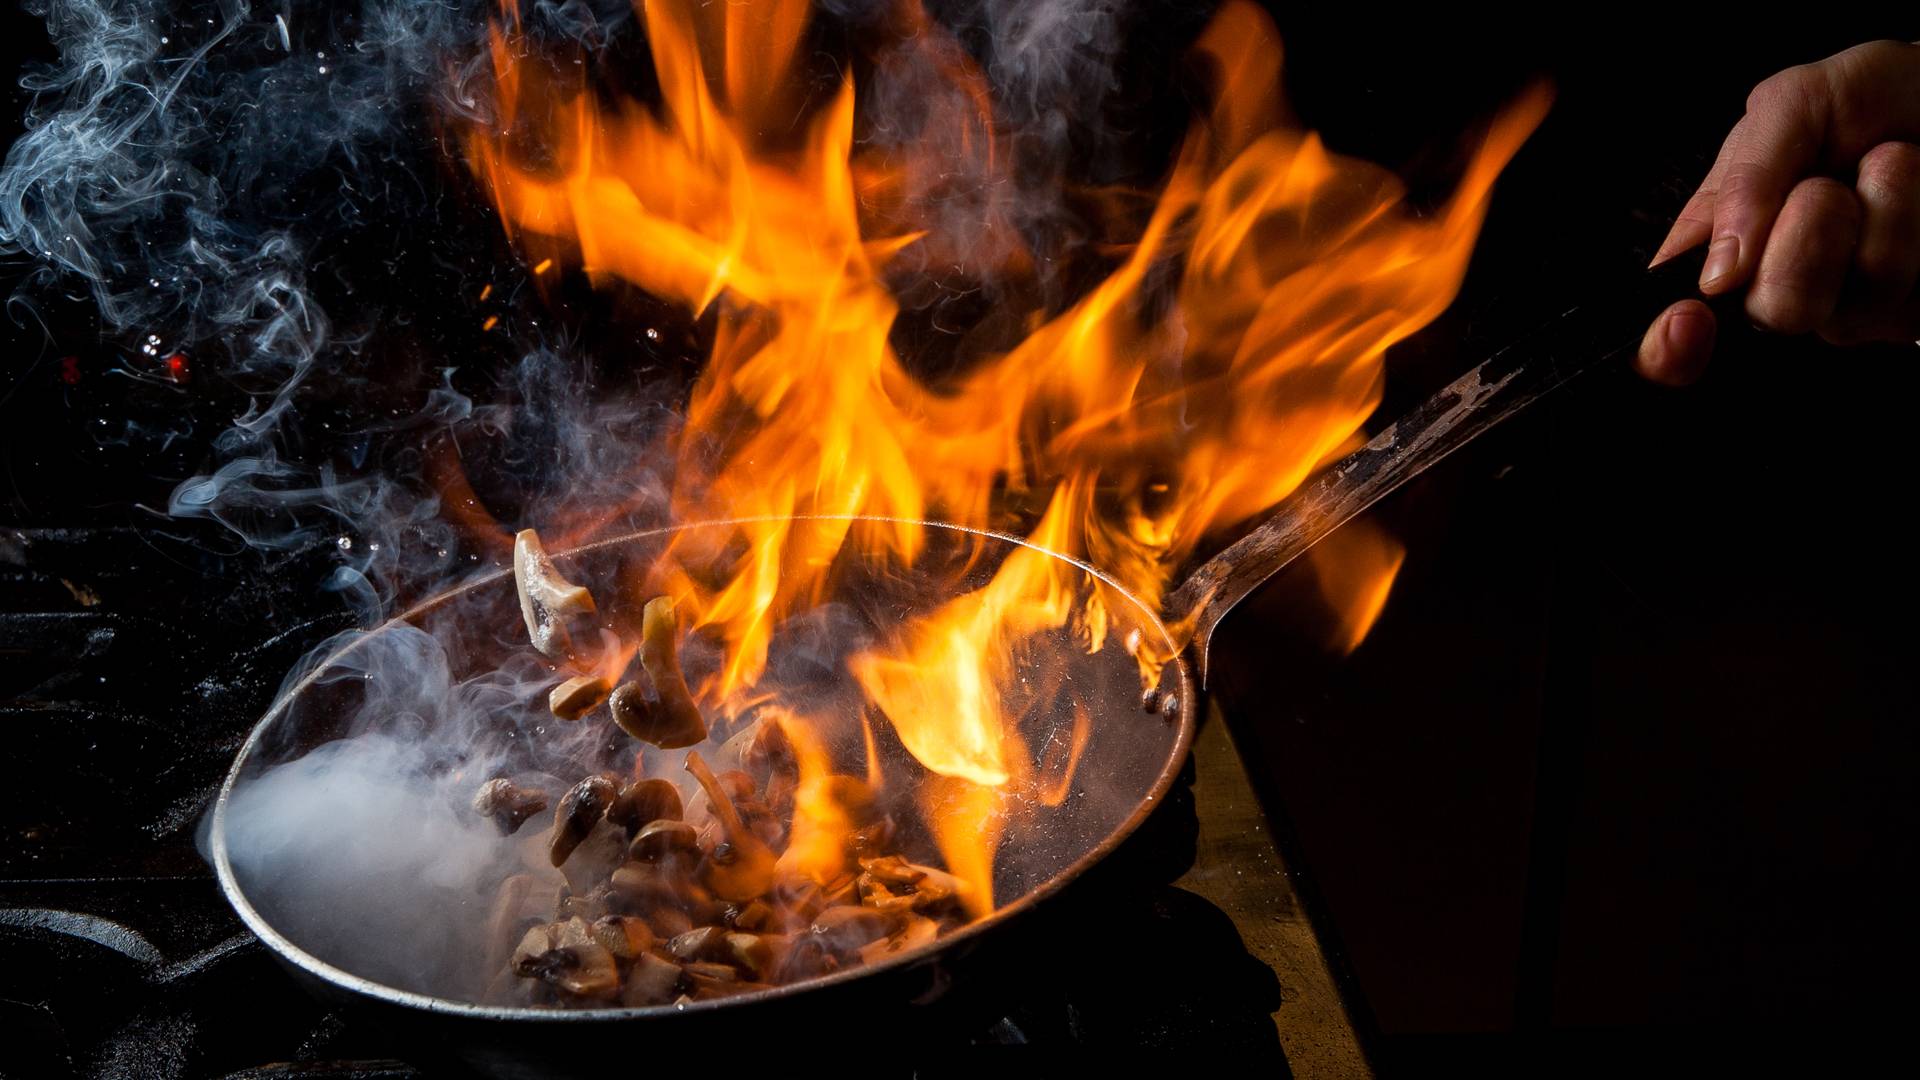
(816, 844)
(1236, 348)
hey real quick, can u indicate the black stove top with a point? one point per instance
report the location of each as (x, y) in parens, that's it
(133, 661)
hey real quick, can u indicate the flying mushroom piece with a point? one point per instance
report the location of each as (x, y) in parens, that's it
(662, 713)
(577, 696)
(546, 598)
(507, 803)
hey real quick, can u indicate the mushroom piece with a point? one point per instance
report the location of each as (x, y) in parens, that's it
(546, 598)
(761, 748)
(669, 922)
(748, 952)
(808, 957)
(845, 929)
(918, 931)
(577, 696)
(928, 887)
(566, 956)
(535, 946)
(705, 943)
(661, 841)
(509, 906)
(593, 974)
(754, 916)
(590, 905)
(580, 809)
(870, 840)
(711, 979)
(652, 981)
(643, 802)
(664, 713)
(742, 868)
(644, 886)
(623, 935)
(508, 804)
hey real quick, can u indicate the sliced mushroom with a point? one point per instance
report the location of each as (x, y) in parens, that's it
(761, 749)
(705, 943)
(626, 937)
(663, 841)
(593, 974)
(871, 840)
(878, 895)
(930, 888)
(509, 910)
(755, 916)
(645, 801)
(841, 890)
(566, 956)
(508, 804)
(580, 809)
(644, 716)
(662, 713)
(742, 868)
(918, 930)
(808, 957)
(892, 870)
(536, 945)
(590, 905)
(845, 929)
(748, 952)
(546, 598)
(668, 922)
(577, 696)
(644, 886)
(652, 981)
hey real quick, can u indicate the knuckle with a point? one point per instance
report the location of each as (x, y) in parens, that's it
(1831, 203)
(1794, 88)
(1891, 171)
(1739, 188)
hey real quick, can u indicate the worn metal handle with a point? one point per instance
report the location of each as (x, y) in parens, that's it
(1579, 340)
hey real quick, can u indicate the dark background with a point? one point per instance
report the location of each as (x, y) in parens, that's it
(1630, 752)
(1630, 755)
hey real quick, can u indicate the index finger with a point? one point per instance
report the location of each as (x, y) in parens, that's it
(1774, 145)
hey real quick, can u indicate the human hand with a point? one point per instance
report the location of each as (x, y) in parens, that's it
(1812, 252)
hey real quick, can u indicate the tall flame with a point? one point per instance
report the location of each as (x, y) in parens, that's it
(1236, 348)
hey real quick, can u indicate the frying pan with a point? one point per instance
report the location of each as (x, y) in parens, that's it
(1131, 758)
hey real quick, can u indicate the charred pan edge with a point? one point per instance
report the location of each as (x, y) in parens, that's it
(320, 969)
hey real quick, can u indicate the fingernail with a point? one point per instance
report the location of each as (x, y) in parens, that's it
(1722, 257)
(1682, 332)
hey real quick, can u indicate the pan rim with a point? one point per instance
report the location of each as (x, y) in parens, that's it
(292, 953)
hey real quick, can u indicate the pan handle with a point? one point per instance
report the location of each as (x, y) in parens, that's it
(1578, 341)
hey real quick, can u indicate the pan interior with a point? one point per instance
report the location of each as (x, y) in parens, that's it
(343, 833)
